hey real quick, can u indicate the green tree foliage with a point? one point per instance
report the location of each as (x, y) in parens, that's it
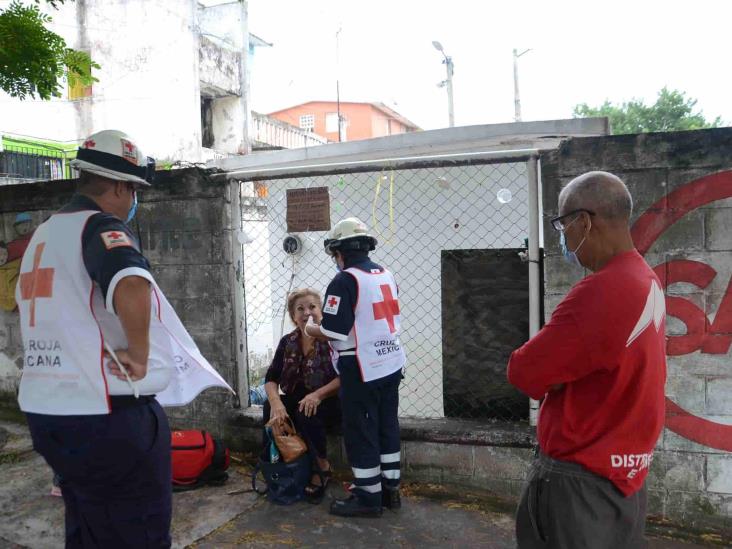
(672, 111)
(33, 60)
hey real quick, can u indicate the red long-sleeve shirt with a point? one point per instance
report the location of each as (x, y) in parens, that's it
(605, 344)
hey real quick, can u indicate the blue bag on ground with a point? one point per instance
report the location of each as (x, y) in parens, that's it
(286, 482)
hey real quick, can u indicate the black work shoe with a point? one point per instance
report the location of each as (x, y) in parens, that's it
(390, 498)
(352, 507)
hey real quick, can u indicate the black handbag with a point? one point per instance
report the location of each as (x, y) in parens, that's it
(285, 482)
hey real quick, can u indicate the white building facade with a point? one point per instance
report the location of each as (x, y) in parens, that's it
(173, 75)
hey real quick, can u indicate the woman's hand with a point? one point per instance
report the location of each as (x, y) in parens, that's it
(309, 404)
(278, 412)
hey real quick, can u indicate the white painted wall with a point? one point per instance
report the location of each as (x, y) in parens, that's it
(225, 26)
(224, 23)
(218, 68)
(229, 117)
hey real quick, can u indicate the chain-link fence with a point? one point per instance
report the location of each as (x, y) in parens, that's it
(451, 233)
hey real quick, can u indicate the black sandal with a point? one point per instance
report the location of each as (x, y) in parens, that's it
(314, 493)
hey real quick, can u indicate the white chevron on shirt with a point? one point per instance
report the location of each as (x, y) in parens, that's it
(654, 311)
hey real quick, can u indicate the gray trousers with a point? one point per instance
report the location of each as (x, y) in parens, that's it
(564, 506)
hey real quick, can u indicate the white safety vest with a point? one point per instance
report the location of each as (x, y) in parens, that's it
(65, 323)
(376, 326)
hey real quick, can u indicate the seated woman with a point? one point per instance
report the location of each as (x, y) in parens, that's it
(302, 368)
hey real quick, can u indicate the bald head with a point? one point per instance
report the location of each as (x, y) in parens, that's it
(601, 192)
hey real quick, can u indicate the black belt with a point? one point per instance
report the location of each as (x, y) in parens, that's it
(118, 402)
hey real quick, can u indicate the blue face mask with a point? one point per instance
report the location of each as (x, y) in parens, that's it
(569, 255)
(133, 209)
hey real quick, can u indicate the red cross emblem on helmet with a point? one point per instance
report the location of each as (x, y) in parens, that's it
(129, 151)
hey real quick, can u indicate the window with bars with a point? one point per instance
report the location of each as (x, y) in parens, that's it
(307, 122)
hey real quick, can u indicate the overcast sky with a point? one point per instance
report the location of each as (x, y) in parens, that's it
(582, 51)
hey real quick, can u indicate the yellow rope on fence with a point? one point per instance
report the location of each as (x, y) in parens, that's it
(377, 192)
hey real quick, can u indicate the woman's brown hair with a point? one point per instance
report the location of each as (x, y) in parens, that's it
(297, 294)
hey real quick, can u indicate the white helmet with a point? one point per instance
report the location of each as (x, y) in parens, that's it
(113, 154)
(349, 234)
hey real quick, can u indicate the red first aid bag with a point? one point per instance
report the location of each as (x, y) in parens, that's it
(198, 459)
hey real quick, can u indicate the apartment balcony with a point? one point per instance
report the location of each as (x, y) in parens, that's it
(268, 133)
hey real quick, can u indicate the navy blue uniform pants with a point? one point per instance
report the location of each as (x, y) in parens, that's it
(370, 430)
(115, 474)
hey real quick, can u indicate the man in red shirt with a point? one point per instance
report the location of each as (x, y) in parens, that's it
(600, 366)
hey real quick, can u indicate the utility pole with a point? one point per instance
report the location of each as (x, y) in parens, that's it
(338, 85)
(450, 104)
(245, 98)
(516, 99)
(449, 66)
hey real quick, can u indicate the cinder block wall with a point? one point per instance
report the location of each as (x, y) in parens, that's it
(183, 222)
(491, 455)
(691, 475)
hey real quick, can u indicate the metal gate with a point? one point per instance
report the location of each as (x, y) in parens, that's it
(419, 209)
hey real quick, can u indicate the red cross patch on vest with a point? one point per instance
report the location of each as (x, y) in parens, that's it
(116, 239)
(332, 302)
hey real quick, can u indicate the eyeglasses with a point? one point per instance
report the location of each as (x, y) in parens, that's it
(558, 222)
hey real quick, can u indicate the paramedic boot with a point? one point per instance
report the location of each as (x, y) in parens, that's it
(352, 507)
(390, 498)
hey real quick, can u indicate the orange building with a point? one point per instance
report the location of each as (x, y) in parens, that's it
(358, 120)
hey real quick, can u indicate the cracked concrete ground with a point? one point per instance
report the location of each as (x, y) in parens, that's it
(432, 516)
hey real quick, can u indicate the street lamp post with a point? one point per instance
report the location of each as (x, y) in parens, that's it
(447, 61)
(516, 100)
(338, 84)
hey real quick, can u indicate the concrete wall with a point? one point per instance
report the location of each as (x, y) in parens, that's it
(488, 455)
(682, 187)
(185, 224)
(229, 118)
(219, 69)
(222, 23)
(224, 73)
